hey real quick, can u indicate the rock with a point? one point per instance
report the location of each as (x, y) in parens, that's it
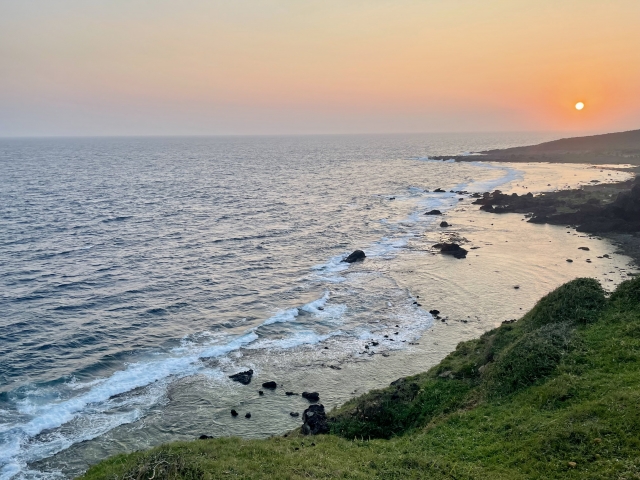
(314, 420)
(288, 394)
(435, 313)
(439, 190)
(444, 224)
(294, 414)
(452, 249)
(583, 248)
(234, 413)
(356, 256)
(242, 377)
(204, 437)
(434, 212)
(573, 464)
(569, 260)
(247, 415)
(311, 396)
(269, 385)
(516, 287)
(260, 392)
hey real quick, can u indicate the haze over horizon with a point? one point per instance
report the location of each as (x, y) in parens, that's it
(77, 68)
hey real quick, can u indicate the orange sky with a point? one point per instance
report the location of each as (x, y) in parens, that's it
(78, 67)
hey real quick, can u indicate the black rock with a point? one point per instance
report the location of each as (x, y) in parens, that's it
(269, 385)
(234, 413)
(434, 212)
(204, 437)
(452, 249)
(569, 260)
(583, 248)
(356, 256)
(247, 415)
(294, 414)
(439, 190)
(444, 224)
(311, 396)
(288, 394)
(242, 377)
(434, 312)
(260, 392)
(314, 420)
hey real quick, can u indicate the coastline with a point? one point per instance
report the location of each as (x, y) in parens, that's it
(438, 341)
(503, 253)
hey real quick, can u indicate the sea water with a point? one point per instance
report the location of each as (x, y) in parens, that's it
(138, 273)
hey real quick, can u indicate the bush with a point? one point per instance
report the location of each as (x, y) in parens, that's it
(627, 294)
(532, 357)
(578, 301)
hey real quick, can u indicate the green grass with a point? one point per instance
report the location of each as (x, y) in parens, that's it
(553, 395)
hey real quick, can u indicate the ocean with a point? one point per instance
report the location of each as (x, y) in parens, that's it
(137, 274)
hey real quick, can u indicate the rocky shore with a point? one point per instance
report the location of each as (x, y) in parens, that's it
(611, 211)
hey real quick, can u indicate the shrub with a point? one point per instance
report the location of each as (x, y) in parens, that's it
(532, 357)
(578, 301)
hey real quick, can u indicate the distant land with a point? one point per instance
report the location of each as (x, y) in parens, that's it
(609, 148)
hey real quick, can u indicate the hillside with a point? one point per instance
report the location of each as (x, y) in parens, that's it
(553, 395)
(610, 148)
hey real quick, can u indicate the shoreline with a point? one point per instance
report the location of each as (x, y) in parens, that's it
(446, 336)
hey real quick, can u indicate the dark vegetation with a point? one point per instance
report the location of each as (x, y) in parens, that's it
(555, 394)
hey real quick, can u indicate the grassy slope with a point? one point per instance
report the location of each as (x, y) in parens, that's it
(554, 395)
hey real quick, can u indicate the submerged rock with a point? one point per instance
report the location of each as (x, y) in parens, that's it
(356, 256)
(294, 414)
(311, 396)
(314, 420)
(242, 377)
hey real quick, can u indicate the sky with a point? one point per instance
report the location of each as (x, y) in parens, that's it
(219, 67)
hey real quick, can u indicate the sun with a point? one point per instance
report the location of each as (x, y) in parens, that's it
(579, 106)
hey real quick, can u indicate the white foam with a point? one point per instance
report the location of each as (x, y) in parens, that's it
(511, 174)
(302, 337)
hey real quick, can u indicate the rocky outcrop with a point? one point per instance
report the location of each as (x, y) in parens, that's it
(314, 420)
(356, 256)
(242, 377)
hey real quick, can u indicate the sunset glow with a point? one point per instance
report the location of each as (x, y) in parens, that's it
(268, 66)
